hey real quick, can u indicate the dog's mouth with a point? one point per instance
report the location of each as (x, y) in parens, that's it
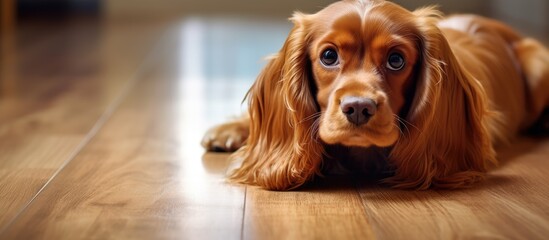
(380, 132)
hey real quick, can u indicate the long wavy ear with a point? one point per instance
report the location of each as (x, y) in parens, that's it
(448, 144)
(281, 151)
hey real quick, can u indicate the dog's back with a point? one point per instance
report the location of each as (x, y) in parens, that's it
(513, 70)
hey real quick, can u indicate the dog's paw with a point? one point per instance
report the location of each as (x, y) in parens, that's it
(227, 137)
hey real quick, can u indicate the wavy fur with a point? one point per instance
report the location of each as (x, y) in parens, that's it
(280, 153)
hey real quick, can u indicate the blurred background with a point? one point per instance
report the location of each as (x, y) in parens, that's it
(251, 28)
(532, 16)
(239, 33)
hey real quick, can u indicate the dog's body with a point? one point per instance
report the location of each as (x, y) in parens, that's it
(420, 97)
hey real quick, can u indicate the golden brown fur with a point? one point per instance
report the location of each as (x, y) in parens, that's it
(467, 83)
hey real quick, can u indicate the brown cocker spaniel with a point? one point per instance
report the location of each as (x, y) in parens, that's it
(374, 87)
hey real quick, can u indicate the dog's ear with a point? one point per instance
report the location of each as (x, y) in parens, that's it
(282, 151)
(448, 143)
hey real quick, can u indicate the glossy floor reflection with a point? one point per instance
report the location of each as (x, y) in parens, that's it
(218, 60)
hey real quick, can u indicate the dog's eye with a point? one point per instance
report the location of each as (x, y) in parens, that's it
(329, 58)
(395, 62)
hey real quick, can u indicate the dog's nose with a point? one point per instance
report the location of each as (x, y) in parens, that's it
(358, 110)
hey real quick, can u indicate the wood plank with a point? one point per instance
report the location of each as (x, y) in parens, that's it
(142, 176)
(58, 82)
(513, 203)
(329, 208)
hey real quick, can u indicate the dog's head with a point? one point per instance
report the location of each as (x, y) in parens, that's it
(363, 56)
(363, 73)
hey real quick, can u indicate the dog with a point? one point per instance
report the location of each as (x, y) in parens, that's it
(373, 87)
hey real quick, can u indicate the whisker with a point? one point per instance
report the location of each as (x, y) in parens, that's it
(404, 122)
(313, 130)
(398, 127)
(312, 116)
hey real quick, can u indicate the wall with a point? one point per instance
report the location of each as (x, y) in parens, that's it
(529, 16)
(168, 8)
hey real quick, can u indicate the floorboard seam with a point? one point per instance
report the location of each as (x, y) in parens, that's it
(243, 213)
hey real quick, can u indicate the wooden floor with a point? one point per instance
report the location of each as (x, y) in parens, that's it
(100, 125)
